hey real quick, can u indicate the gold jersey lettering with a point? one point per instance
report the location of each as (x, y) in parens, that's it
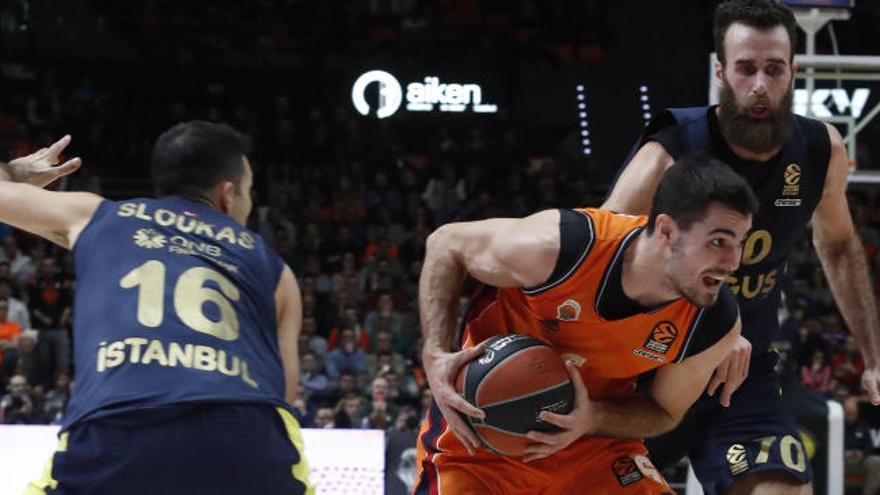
(757, 247)
(205, 358)
(246, 240)
(135, 343)
(182, 355)
(142, 213)
(226, 234)
(115, 354)
(127, 209)
(222, 365)
(186, 224)
(155, 352)
(102, 357)
(754, 285)
(164, 217)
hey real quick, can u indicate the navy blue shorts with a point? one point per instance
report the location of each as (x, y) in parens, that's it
(757, 433)
(192, 449)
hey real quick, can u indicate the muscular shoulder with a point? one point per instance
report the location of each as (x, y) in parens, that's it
(577, 233)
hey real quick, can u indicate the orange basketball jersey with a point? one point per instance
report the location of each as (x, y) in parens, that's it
(609, 353)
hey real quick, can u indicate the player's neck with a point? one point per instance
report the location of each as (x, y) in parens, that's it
(643, 278)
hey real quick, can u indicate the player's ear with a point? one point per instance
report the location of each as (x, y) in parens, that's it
(719, 73)
(225, 194)
(665, 227)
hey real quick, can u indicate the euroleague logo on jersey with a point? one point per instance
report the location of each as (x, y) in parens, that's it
(791, 187)
(662, 337)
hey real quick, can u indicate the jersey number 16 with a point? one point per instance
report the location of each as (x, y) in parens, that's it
(189, 296)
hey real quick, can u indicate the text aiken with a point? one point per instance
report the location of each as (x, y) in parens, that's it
(423, 96)
(452, 97)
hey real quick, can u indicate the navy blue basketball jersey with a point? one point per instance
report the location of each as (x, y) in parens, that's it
(175, 303)
(789, 188)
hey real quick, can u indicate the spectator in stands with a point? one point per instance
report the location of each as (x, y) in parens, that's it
(384, 358)
(18, 311)
(858, 453)
(809, 340)
(9, 330)
(20, 265)
(378, 417)
(26, 361)
(309, 338)
(387, 318)
(847, 366)
(18, 406)
(310, 376)
(55, 401)
(347, 357)
(323, 417)
(350, 319)
(50, 301)
(817, 375)
(348, 411)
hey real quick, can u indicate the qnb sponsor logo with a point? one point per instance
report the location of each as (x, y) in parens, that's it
(426, 96)
(831, 102)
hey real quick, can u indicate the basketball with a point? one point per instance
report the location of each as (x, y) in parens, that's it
(512, 381)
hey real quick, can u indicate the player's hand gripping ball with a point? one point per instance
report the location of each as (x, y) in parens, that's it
(515, 378)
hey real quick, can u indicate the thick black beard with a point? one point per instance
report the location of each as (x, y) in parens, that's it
(756, 135)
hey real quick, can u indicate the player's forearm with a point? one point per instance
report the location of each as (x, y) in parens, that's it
(439, 284)
(630, 416)
(847, 272)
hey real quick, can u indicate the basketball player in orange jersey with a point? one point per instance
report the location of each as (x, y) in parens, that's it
(616, 296)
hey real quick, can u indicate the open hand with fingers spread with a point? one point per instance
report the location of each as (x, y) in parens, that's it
(441, 369)
(577, 423)
(41, 167)
(732, 372)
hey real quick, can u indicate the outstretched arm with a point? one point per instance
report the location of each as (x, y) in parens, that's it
(843, 259)
(56, 216)
(500, 252)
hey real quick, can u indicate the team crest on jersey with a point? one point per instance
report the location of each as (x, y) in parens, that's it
(737, 459)
(626, 471)
(662, 337)
(149, 239)
(570, 310)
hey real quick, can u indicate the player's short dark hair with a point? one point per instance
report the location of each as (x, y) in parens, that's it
(692, 184)
(759, 14)
(190, 158)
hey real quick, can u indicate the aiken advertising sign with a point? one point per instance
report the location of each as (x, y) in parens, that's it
(429, 95)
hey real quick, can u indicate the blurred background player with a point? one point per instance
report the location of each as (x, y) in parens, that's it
(798, 167)
(620, 276)
(186, 326)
